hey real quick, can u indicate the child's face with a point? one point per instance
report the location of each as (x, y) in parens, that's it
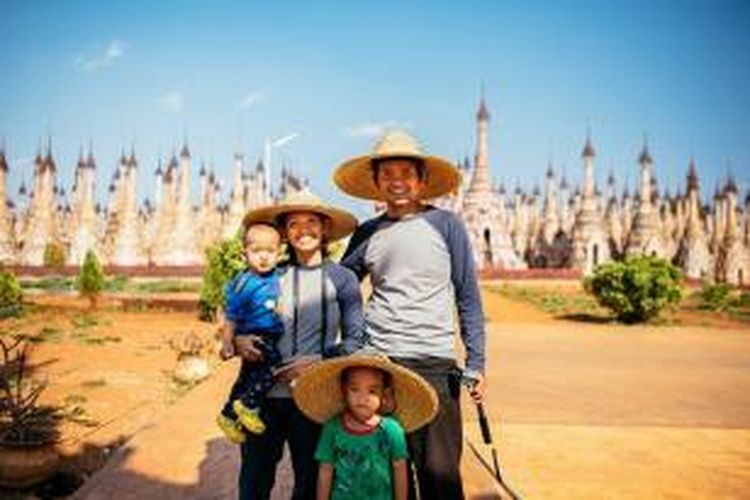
(363, 392)
(262, 245)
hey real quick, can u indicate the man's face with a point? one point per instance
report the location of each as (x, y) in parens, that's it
(398, 182)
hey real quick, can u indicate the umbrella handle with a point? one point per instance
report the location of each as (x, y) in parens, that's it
(484, 424)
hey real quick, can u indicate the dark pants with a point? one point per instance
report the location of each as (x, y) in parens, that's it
(435, 450)
(262, 452)
(254, 380)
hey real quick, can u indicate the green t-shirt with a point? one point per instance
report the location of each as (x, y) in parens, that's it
(362, 463)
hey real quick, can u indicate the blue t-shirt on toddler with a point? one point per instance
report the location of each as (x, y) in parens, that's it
(251, 303)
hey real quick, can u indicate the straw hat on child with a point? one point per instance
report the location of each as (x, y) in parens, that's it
(317, 391)
(340, 222)
(356, 176)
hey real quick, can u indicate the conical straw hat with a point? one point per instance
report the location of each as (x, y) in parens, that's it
(355, 176)
(342, 223)
(317, 391)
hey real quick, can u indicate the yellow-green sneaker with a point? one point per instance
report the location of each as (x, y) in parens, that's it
(249, 418)
(232, 429)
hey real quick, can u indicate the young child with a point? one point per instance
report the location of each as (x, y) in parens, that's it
(251, 302)
(362, 452)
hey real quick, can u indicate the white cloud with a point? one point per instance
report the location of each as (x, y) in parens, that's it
(115, 50)
(105, 58)
(373, 129)
(173, 101)
(250, 99)
(284, 140)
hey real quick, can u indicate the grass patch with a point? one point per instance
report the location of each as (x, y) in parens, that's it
(167, 286)
(45, 334)
(84, 320)
(12, 311)
(72, 410)
(87, 338)
(116, 284)
(50, 283)
(178, 388)
(552, 302)
(719, 300)
(49, 334)
(94, 383)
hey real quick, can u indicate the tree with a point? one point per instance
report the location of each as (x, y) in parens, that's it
(90, 279)
(636, 289)
(223, 261)
(54, 256)
(11, 295)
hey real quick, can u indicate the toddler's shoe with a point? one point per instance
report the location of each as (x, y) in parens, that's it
(232, 429)
(249, 418)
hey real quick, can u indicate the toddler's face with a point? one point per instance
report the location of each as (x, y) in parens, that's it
(262, 244)
(363, 392)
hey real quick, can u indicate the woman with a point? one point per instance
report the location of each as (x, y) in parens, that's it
(321, 308)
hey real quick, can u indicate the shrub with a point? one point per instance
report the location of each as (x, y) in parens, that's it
(23, 421)
(336, 250)
(54, 255)
(743, 300)
(715, 297)
(90, 280)
(11, 295)
(223, 260)
(636, 289)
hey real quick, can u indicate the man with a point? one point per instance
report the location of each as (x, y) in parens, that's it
(421, 268)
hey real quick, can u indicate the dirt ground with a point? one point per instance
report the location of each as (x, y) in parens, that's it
(109, 370)
(579, 409)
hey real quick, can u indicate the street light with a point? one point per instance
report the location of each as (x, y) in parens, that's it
(270, 145)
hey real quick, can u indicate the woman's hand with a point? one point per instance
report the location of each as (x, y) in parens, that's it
(227, 350)
(244, 345)
(294, 368)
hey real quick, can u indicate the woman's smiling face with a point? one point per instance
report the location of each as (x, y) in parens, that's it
(304, 231)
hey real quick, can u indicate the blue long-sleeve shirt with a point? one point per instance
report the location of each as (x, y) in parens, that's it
(252, 304)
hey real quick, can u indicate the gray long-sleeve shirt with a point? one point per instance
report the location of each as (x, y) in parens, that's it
(304, 296)
(422, 272)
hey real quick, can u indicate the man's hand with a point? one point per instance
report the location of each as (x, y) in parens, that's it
(294, 368)
(478, 390)
(244, 345)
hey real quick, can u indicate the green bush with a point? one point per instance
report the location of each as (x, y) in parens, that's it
(90, 280)
(636, 289)
(743, 300)
(715, 297)
(54, 255)
(223, 260)
(11, 295)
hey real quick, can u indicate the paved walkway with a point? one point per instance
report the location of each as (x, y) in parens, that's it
(592, 411)
(183, 456)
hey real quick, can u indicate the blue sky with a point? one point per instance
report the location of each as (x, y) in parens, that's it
(229, 74)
